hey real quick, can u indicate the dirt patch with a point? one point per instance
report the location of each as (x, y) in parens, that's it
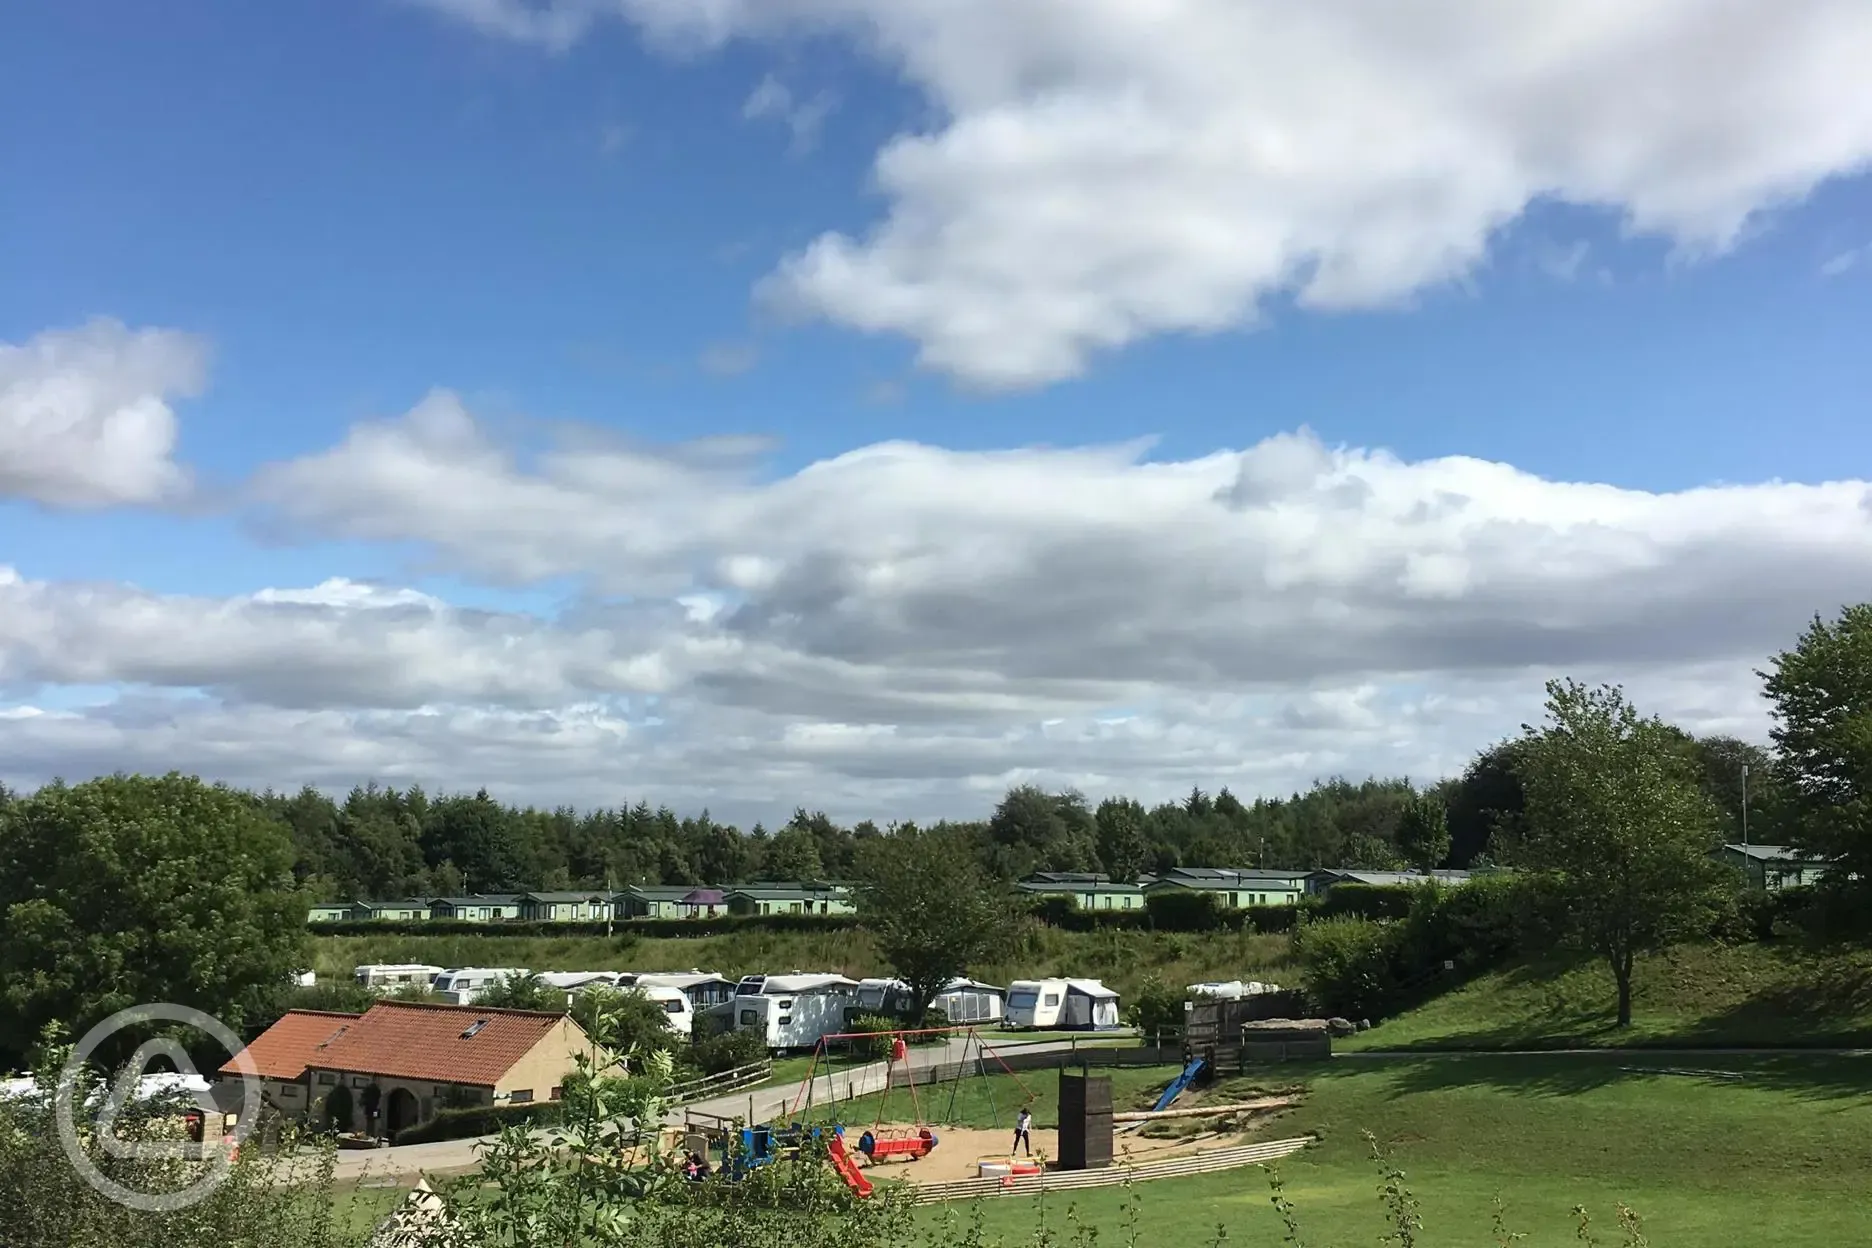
(959, 1149)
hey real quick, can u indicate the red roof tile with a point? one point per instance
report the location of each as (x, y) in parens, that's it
(412, 1040)
(284, 1050)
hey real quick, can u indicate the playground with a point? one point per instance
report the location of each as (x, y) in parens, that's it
(941, 1105)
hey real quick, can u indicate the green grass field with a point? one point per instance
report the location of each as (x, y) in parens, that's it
(1121, 959)
(1779, 1159)
(1761, 995)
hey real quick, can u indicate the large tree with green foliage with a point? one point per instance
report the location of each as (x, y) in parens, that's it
(1822, 695)
(1423, 834)
(1615, 813)
(930, 908)
(132, 890)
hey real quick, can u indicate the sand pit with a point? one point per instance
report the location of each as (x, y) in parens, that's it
(958, 1149)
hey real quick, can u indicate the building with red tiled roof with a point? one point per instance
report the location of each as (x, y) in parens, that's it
(282, 1054)
(401, 1061)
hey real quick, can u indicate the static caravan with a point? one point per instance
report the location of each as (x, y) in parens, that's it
(1075, 1004)
(794, 1011)
(967, 1001)
(464, 985)
(388, 976)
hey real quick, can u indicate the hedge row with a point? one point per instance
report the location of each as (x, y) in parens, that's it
(478, 1120)
(625, 928)
(1171, 912)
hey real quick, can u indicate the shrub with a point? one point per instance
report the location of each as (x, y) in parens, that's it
(1187, 912)
(1271, 919)
(1348, 965)
(1366, 901)
(726, 1051)
(466, 1124)
(1156, 1008)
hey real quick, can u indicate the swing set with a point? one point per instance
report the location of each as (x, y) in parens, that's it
(913, 1142)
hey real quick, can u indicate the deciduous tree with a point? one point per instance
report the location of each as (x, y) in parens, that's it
(1822, 695)
(131, 891)
(1423, 834)
(1614, 811)
(930, 908)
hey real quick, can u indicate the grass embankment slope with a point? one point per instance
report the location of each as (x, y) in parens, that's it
(1122, 959)
(1771, 995)
(1781, 1158)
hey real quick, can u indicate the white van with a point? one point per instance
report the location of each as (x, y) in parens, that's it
(794, 1011)
(1067, 1004)
(388, 976)
(464, 985)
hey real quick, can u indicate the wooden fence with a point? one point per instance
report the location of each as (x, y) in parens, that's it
(717, 1084)
(1072, 1180)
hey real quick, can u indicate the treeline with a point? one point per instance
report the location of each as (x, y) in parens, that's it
(386, 842)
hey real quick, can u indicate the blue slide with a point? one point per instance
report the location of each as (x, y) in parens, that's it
(1176, 1089)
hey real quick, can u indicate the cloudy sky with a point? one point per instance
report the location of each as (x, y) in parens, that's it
(870, 404)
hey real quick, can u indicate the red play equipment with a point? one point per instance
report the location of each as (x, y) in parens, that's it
(881, 1143)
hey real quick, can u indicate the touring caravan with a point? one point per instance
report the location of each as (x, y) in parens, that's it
(1230, 990)
(704, 989)
(794, 1011)
(967, 1001)
(573, 981)
(1067, 1004)
(889, 998)
(464, 985)
(389, 976)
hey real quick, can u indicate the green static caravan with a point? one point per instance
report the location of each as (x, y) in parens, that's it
(1771, 867)
(1088, 890)
(805, 897)
(1233, 888)
(477, 907)
(566, 907)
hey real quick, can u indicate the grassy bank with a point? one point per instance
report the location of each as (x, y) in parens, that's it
(1778, 1159)
(1780, 994)
(1121, 959)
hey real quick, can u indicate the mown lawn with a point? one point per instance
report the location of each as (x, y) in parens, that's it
(991, 1102)
(1779, 994)
(1779, 1159)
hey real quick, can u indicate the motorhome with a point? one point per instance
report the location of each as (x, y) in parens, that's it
(389, 976)
(794, 1011)
(969, 1001)
(1067, 1004)
(464, 985)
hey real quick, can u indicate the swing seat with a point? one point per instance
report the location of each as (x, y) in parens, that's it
(911, 1142)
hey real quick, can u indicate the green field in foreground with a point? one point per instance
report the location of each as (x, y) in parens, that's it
(1779, 994)
(1779, 1159)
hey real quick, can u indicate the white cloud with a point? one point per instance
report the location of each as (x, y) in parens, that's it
(1113, 169)
(773, 99)
(85, 419)
(729, 359)
(905, 629)
(1845, 261)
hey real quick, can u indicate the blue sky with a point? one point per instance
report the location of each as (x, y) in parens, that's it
(351, 204)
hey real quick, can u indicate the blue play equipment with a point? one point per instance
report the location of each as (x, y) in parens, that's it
(760, 1146)
(1177, 1087)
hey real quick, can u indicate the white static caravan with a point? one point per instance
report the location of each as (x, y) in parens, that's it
(389, 976)
(1066, 1004)
(464, 985)
(969, 1001)
(794, 1011)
